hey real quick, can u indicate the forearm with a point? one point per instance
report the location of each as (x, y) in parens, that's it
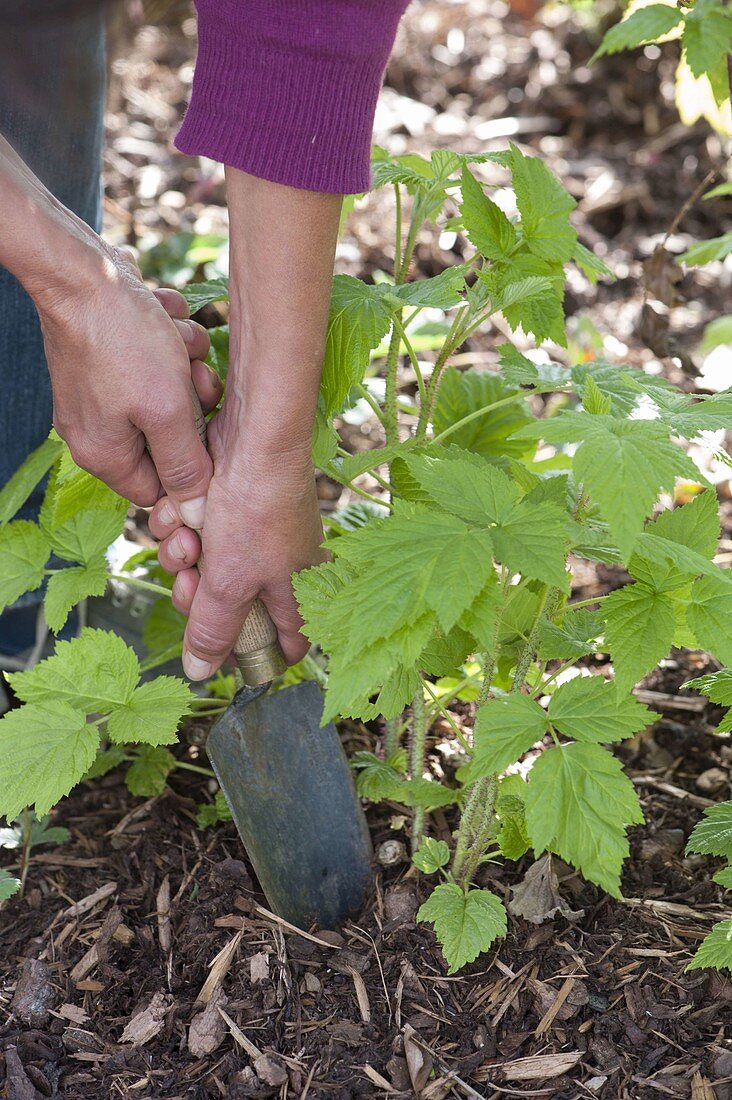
(42, 243)
(282, 251)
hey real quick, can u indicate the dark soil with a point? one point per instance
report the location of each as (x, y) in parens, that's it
(630, 1022)
(601, 999)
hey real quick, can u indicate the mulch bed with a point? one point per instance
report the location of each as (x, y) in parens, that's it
(142, 913)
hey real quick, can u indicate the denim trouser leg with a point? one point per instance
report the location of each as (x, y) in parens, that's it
(52, 83)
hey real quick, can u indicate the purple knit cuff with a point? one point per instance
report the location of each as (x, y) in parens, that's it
(287, 91)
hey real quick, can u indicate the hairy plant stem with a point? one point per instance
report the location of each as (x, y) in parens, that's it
(392, 737)
(479, 818)
(25, 853)
(391, 412)
(546, 610)
(417, 761)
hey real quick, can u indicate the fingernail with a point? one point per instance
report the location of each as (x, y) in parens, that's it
(195, 668)
(192, 512)
(167, 513)
(177, 549)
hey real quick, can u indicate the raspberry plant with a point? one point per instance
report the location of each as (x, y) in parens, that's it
(465, 580)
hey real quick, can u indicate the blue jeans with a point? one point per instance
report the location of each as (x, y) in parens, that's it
(52, 85)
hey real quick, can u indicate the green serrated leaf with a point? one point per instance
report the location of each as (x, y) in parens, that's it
(716, 949)
(466, 923)
(572, 637)
(717, 686)
(431, 855)
(152, 713)
(717, 333)
(8, 885)
(639, 631)
(359, 320)
(45, 749)
(149, 773)
(440, 292)
(69, 587)
(424, 793)
(594, 400)
(86, 535)
(16, 491)
(593, 267)
(723, 878)
(24, 551)
(647, 24)
(625, 464)
(545, 207)
(199, 295)
(578, 805)
(211, 813)
(530, 293)
(463, 393)
(710, 615)
(707, 37)
(712, 836)
(532, 540)
(378, 779)
(94, 673)
(487, 227)
(706, 252)
(588, 708)
(72, 490)
(505, 728)
(513, 838)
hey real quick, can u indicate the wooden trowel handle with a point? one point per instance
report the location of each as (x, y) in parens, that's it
(257, 651)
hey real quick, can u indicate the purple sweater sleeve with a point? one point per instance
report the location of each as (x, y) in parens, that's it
(286, 89)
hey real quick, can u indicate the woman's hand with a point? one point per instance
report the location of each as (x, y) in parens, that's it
(262, 525)
(121, 376)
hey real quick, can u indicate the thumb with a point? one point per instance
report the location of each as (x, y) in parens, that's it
(214, 623)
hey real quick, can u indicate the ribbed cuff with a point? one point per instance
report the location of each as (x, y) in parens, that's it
(290, 115)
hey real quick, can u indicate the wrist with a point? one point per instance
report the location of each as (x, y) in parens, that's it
(66, 261)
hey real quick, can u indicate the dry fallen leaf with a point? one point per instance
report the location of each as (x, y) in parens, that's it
(537, 897)
(419, 1062)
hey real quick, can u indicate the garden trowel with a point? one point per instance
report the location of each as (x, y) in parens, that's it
(290, 790)
(288, 784)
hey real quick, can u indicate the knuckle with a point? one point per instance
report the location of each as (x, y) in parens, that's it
(182, 473)
(204, 638)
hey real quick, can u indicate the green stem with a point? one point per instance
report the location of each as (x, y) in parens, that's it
(194, 768)
(393, 736)
(398, 234)
(515, 397)
(580, 603)
(482, 818)
(413, 359)
(391, 414)
(448, 717)
(137, 582)
(417, 762)
(314, 671)
(25, 854)
(369, 398)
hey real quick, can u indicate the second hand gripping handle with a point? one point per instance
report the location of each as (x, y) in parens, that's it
(256, 650)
